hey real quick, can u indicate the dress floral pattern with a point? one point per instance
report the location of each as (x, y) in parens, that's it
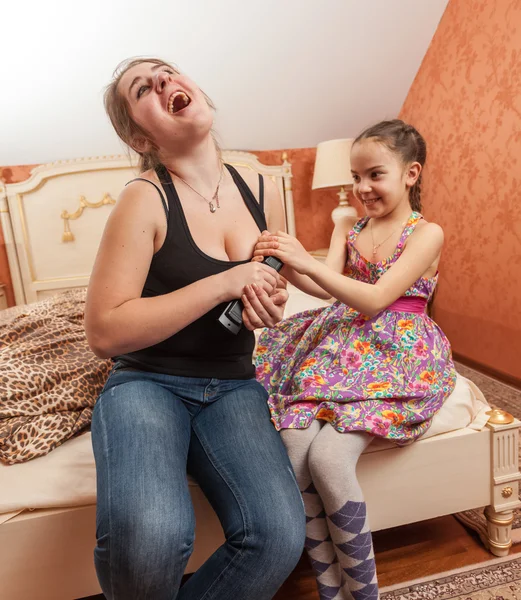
(387, 375)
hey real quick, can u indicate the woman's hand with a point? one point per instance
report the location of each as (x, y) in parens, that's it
(261, 310)
(252, 273)
(284, 246)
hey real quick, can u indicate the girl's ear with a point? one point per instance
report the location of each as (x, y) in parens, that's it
(412, 174)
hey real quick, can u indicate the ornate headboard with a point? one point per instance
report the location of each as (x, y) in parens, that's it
(53, 221)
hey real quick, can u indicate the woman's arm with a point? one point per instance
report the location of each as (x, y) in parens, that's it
(117, 319)
(421, 251)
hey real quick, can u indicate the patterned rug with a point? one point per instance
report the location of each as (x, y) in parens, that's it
(498, 579)
(499, 395)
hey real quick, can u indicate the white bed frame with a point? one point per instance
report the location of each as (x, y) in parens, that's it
(52, 225)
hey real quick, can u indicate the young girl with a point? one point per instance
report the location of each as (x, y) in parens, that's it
(372, 364)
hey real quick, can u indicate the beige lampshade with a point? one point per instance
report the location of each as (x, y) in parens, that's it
(332, 164)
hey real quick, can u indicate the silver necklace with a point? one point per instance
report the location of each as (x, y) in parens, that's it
(376, 246)
(215, 198)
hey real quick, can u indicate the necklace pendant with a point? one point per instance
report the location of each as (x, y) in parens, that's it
(375, 248)
(212, 207)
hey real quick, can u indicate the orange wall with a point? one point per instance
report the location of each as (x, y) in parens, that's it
(466, 101)
(312, 208)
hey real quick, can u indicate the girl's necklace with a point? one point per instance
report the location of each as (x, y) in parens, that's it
(376, 246)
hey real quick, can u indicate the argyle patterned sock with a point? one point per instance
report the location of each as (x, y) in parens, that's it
(352, 537)
(320, 547)
(333, 458)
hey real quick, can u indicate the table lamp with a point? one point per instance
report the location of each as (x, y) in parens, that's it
(333, 170)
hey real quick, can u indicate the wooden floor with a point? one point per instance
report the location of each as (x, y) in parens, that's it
(402, 554)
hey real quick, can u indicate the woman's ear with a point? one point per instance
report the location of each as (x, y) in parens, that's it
(140, 144)
(412, 174)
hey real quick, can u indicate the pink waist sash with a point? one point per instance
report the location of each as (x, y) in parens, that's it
(409, 304)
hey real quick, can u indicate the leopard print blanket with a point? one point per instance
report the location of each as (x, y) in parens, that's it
(49, 378)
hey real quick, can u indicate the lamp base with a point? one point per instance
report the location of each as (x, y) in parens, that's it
(344, 209)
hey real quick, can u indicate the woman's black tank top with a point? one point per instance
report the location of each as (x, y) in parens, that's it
(204, 348)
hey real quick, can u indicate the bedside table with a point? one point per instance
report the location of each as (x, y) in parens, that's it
(3, 297)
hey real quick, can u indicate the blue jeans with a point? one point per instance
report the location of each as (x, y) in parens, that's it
(148, 429)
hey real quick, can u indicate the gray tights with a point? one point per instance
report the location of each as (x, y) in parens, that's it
(338, 539)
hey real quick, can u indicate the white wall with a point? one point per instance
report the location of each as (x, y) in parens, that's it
(283, 73)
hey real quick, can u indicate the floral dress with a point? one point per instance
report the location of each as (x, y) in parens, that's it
(387, 375)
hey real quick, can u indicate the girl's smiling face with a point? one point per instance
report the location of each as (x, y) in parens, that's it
(381, 180)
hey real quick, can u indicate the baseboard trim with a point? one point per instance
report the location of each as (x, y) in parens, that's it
(486, 370)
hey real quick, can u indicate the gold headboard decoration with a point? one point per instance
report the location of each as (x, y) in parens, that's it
(67, 235)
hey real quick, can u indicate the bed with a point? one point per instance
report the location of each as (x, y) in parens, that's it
(52, 225)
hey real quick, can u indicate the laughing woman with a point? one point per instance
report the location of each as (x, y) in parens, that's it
(182, 393)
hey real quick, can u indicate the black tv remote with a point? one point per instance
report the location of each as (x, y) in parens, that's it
(231, 317)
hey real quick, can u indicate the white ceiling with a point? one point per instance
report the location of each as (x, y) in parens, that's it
(283, 73)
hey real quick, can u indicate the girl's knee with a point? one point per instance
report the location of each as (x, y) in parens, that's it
(325, 465)
(319, 460)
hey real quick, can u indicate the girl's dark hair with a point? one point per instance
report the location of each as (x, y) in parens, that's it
(407, 142)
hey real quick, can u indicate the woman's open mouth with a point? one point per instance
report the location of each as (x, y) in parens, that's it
(177, 101)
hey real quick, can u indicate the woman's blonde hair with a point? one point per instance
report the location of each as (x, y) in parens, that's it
(118, 110)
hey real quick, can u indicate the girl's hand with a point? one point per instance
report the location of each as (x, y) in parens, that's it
(261, 310)
(284, 246)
